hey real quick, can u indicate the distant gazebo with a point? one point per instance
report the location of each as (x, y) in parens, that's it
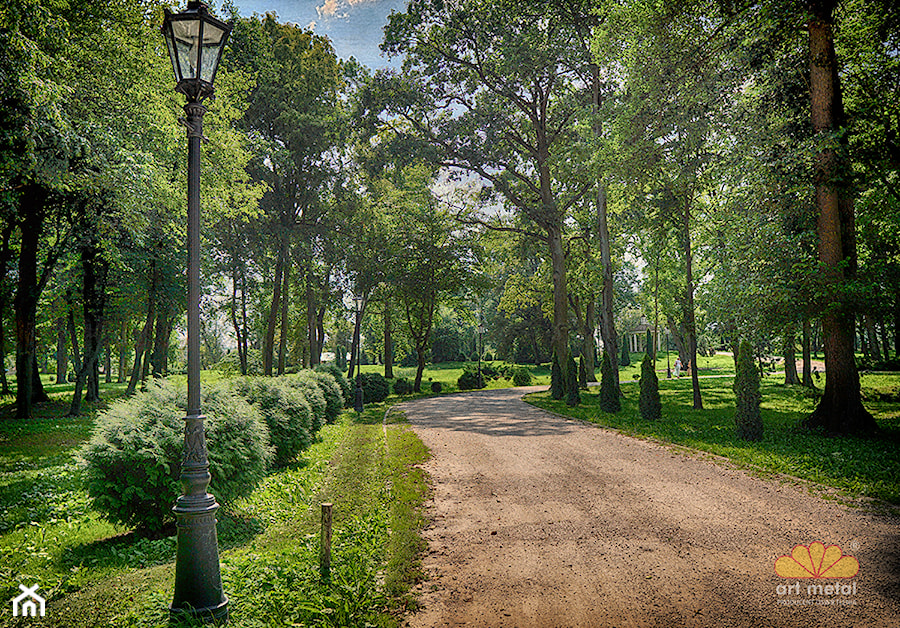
(636, 337)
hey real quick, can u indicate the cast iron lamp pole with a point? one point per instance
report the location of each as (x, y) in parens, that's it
(195, 40)
(358, 402)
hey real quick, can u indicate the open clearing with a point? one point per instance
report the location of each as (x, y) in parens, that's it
(539, 521)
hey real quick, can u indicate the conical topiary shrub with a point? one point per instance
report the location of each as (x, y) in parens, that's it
(625, 359)
(557, 385)
(582, 373)
(572, 396)
(649, 403)
(609, 398)
(747, 416)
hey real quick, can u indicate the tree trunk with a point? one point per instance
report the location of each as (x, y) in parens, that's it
(62, 350)
(123, 352)
(269, 344)
(4, 384)
(160, 343)
(311, 318)
(884, 338)
(238, 330)
(588, 348)
(840, 409)
(388, 341)
(142, 342)
(790, 359)
(5, 257)
(320, 330)
(607, 320)
(107, 363)
(807, 359)
(283, 333)
(28, 291)
(874, 346)
(560, 298)
(897, 323)
(689, 320)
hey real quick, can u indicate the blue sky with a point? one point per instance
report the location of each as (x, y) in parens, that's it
(355, 27)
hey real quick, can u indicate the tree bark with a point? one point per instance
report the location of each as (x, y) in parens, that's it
(269, 344)
(31, 220)
(560, 297)
(311, 318)
(62, 350)
(5, 257)
(840, 409)
(807, 358)
(239, 330)
(142, 343)
(874, 346)
(388, 340)
(790, 358)
(689, 319)
(884, 337)
(285, 292)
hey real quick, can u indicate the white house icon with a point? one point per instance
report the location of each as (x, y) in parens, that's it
(27, 607)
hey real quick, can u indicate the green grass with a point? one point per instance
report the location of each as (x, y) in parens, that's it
(98, 574)
(855, 466)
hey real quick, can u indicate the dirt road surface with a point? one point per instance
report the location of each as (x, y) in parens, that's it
(540, 521)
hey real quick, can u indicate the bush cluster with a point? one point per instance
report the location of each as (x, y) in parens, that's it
(402, 386)
(133, 460)
(521, 376)
(338, 374)
(436, 387)
(375, 387)
(469, 379)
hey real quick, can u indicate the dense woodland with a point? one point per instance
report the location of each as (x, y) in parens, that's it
(551, 169)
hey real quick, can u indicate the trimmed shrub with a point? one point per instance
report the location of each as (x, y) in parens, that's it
(402, 386)
(747, 416)
(375, 387)
(345, 384)
(334, 396)
(436, 387)
(625, 359)
(314, 397)
(649, 402)
(521, 376)
(609, 398)
(286, 411)
(133, 460)
(468, 380)
(557, 385)
(582, 373)
(573, 398)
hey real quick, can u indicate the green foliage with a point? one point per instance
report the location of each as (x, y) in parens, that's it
(649, 403)
(334, 395)
(521, 376)
(747, 416)
(609, 398)
(286, 411)
(314, 396)
(436, 387)
(402, 386)
(133, 460)
(469, 380)
(338, 373)
(557, 385)
(582, 373)
(572, 396)
(375, 387)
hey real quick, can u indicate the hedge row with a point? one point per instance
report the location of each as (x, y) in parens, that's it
(133, 460)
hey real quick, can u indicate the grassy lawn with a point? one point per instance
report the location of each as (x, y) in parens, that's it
(857, 467)
(98, 574)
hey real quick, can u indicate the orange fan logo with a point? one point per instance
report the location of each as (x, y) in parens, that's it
(816, 561)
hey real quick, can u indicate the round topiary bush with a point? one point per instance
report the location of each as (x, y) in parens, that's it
(436, 387)
(521, 376)
(402, 386)
(345, 384)
(133, 460)
(286, 411)
(375, 387)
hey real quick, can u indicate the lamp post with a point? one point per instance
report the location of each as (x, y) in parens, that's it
(358, 402)
(195, 40)
(480, 347)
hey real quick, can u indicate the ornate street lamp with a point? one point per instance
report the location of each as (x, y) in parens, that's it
(358, 402)
(195, 40)
(480, 351)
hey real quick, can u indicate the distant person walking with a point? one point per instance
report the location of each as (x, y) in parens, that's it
(677, 367)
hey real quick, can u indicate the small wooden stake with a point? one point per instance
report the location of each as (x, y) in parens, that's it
(325, 543)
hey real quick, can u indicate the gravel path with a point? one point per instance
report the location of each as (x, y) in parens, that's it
(539, 521)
